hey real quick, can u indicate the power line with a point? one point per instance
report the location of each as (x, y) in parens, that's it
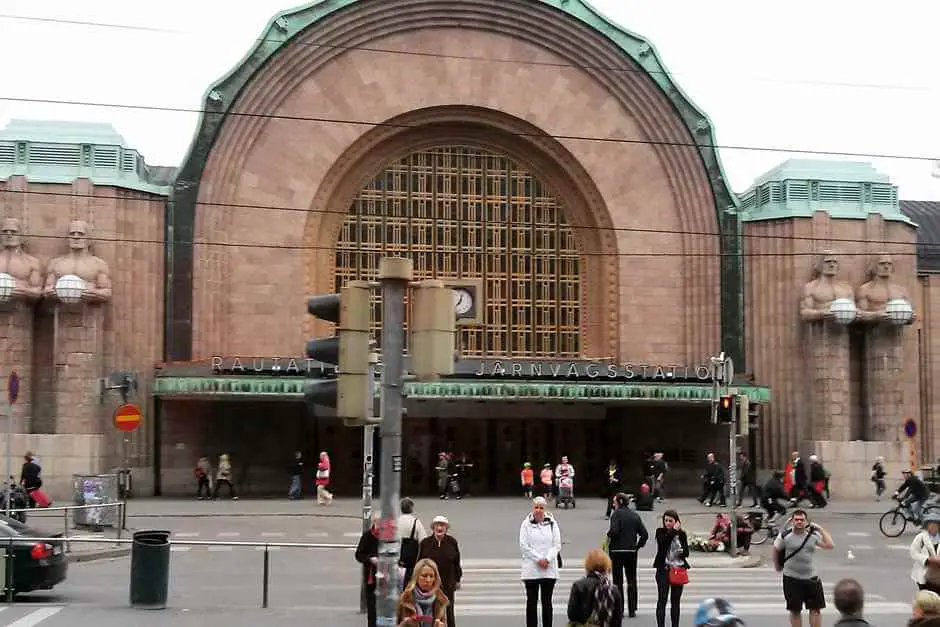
(572, 227)
(609, 68)
(359, 248)
(609, 140)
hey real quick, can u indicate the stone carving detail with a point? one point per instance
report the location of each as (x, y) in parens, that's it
(81, 263)
(16, 262)
(819, 294)
(874, 296)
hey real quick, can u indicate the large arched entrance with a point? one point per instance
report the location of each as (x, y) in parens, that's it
(463, 212)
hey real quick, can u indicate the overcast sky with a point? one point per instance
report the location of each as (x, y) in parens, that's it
(839, 76)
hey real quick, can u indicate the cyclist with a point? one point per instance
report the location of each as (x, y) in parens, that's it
(913, 494)
(772, 495)
(716, 613)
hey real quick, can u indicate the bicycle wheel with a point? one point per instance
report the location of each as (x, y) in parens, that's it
(893, 523)
(760, 536)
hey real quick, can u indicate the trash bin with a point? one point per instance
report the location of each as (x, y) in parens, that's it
(150, 569)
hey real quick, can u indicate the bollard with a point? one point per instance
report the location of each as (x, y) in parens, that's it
(9, 574)
(266, 571)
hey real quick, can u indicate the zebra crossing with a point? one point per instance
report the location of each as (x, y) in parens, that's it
(492, 588)
(29, 616)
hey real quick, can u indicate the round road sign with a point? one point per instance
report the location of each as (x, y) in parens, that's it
(910, 428)
(127, 417)
(13, 387)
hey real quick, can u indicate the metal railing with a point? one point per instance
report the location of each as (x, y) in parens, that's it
(39, 512)
(265, 566)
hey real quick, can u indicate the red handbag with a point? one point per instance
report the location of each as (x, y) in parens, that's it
(678, 576)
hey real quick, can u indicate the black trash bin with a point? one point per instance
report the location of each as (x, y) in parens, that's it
(150, 569)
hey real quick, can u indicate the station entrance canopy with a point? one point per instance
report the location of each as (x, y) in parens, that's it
(476, 380)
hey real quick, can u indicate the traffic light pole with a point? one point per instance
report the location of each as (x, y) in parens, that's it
(733, 479)
(394, 275)
(368, 435)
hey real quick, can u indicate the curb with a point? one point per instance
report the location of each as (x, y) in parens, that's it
(93, 556)
(248, 514)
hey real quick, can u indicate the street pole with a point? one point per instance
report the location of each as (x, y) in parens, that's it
(394, 273)
(6, 481)
(368, 433)
(733, 478)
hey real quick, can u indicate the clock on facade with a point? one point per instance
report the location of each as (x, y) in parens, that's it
(463, 301)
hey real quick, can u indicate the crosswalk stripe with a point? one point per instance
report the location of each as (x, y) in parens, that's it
(186, 534)
(775, 608)
(34, 618)
(179, 549)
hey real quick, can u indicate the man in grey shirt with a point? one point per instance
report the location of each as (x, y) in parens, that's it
(793, 554)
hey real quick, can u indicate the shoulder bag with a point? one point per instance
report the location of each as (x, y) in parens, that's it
(408, 553)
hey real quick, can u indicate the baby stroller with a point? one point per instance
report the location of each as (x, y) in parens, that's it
(565, 492)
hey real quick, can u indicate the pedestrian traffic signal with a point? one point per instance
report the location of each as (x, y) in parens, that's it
(753, 417)
(348, 350)
(433, 329)
(726, 408)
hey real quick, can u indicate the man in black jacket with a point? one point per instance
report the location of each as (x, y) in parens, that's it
(627, 535)
(29, 477)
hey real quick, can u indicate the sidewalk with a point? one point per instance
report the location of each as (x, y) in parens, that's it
(352, 508)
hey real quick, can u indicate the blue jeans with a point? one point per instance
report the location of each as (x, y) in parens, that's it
(294, 491)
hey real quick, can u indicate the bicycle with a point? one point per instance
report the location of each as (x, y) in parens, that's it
(763, 530)
(893, 523)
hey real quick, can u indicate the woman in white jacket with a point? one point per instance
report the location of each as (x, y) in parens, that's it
(925, 553)
(540, 543)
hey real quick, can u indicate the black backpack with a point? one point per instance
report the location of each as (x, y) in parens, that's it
(408, 553)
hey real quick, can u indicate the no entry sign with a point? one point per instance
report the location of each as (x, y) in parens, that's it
(127, 417)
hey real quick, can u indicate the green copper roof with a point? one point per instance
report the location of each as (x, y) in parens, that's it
(287, 24)
(60, 152)
(292, 388)
(800, 187)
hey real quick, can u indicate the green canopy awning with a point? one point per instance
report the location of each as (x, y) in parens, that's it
(288, 388)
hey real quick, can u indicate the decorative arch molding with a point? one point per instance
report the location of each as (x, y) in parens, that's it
(544, 157)
(298, 42)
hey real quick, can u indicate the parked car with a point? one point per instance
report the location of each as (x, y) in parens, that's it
(36, 565)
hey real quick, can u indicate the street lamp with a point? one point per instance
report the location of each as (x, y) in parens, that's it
(69, 288)
(7, 283)
(843, 310)
(900, 311)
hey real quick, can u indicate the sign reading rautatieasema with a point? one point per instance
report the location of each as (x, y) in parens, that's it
(485, 369)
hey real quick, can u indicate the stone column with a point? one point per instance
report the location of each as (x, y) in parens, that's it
(79, 363)
(884, 371)
(828, 368)
(16, 353)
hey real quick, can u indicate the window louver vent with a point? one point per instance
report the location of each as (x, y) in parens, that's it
(884, 195)
(831, 192)
(7, 153)
(106, 157)
(48, 154)
(797, 192)
(129, 163)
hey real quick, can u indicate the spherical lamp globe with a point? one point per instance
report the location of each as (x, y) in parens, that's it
(7, 283)
(69, 288)
(900, 311)
(843, 310)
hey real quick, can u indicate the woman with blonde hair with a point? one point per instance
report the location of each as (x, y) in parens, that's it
(423, 602)
(223, 476)
(926, 611)
(594, 599)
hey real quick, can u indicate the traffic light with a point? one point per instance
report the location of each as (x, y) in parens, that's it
(433, 330)
(753, 417)
(742, 408)
(351, 311)
(726, 408)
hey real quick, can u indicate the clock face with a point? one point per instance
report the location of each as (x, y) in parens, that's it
(463, 301)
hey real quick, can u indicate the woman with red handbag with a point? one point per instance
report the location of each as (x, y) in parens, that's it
(672, 569)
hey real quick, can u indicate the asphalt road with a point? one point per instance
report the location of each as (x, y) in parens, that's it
(223, 585)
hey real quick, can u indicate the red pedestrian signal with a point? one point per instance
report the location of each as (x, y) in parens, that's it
(726, 407)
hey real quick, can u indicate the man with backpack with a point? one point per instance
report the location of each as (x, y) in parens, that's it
(411, 532)
(794, 550)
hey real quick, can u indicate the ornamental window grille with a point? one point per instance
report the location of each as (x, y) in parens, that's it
(461, 212)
